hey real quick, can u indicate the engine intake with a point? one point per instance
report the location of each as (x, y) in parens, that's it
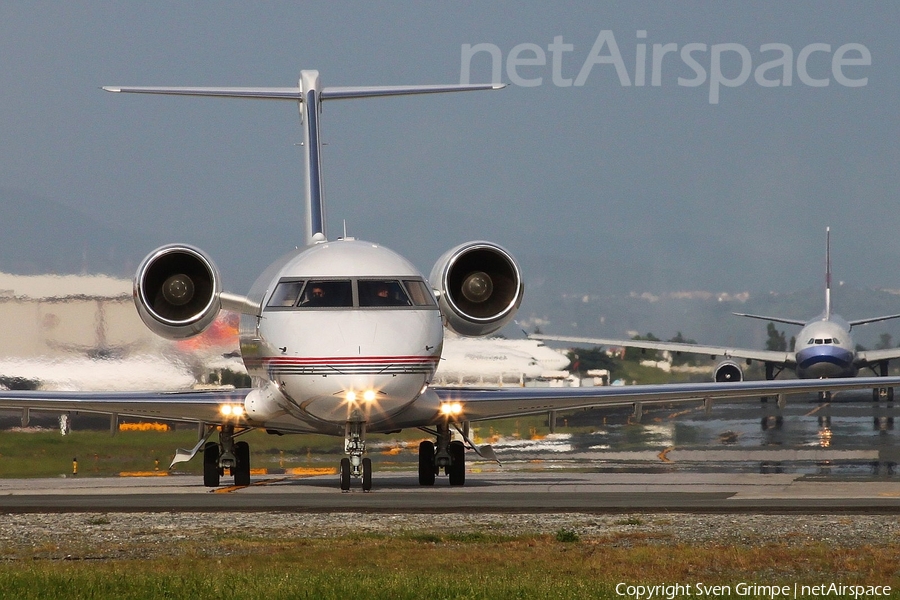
(177, 291)
(727, 371)
(479, 288)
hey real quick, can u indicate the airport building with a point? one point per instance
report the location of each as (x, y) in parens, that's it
(61, 315)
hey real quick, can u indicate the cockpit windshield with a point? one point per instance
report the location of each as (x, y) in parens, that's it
(821, 341)
(351, 293)
(326, 294)
(382, 293)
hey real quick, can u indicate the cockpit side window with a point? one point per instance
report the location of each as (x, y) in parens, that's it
(327, 294)
(382, 293)
(286, 294)
(419, 292)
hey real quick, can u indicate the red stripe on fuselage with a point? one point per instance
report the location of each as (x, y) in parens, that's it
(345, 360)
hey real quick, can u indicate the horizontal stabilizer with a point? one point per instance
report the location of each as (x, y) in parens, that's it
(296, 94)
(341, 93)
(289, 93)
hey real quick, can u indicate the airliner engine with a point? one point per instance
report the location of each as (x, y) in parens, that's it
(177, 291)
(479, 288)
(728, 371)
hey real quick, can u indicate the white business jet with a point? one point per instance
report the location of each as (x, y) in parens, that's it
(343, 336)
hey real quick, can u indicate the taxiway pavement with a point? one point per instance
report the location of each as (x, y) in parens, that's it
(399, 492)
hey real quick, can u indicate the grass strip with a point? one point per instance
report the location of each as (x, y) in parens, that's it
(425, 564)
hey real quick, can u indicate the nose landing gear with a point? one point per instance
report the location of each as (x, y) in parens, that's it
(355, 465)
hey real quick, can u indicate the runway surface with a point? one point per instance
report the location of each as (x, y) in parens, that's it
(810, 457)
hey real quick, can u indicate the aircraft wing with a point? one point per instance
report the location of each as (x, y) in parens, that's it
(480, 403)
(864, 357)
(781, 358)
(191, 406)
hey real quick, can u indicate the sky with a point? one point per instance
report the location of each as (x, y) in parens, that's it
(684, 185)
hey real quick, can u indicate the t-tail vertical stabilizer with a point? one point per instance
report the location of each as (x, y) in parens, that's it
(308, 94)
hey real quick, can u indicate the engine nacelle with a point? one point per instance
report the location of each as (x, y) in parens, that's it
(727, 371)
(176, 291)
(479, 288)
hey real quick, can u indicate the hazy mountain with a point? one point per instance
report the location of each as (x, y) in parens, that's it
(45, 236)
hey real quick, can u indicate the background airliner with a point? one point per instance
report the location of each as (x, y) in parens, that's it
(824, 346)
(497, 360)
(343, 336)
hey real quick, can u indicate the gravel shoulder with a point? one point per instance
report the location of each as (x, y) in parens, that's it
(145, 535)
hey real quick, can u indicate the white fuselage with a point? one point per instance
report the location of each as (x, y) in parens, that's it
(349, 355)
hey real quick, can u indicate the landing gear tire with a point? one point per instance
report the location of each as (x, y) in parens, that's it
(367, 474)
(457, 468)
(211, 473)
(426, 463)
(241, 469)
(345, 474)
(879, 394)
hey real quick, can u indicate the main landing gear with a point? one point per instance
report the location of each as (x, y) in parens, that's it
(445, 454)
(355, 465)
(882, 394)
(226, 454)
(772, 371)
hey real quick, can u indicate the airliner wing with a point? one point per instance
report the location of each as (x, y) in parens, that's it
(873, 320)
(781, 358)
(479, 403)
(864, 357)
(774, 319)
(191, 406)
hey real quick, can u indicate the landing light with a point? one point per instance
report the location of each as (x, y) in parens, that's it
(229, 410)
(366, 396)
(451, 408)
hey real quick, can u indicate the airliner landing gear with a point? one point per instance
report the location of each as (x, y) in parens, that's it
(355, 466)
(226, 454)
(772, 371)
(445, 454)
(882, 394)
